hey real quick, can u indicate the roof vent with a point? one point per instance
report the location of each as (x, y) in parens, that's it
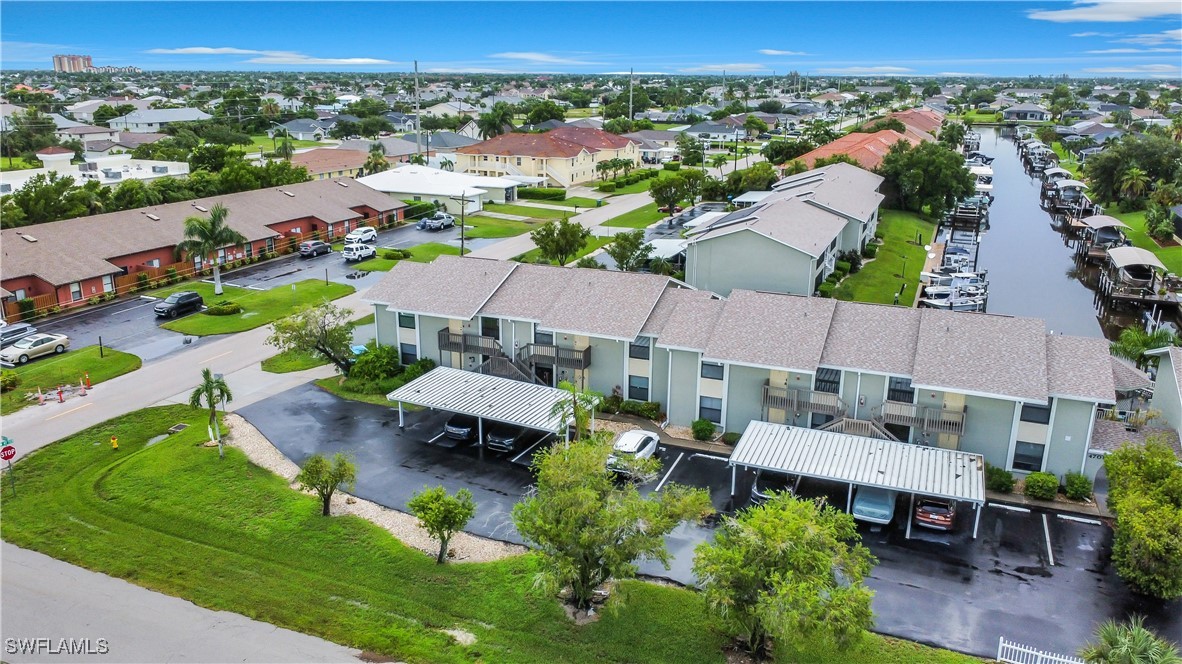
(343, 184)
(29, 238)
(153, 217)
(200, 208)
(287, 193)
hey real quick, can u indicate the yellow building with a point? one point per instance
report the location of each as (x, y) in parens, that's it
(562, 157)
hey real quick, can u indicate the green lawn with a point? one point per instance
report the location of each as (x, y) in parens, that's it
(572, 113)
(665, 126)
(292, 360)
(491, 227)
(376, 264)
(593, 243)
(1067, 160)
(230, 536)
(259, 307)
(878, 281)
(641, 217)
(573, 201)
(263, 141)
(1171, 257)
(526, 211)
(70, 367)
(17, 164)
(423, 253)
(333, 384)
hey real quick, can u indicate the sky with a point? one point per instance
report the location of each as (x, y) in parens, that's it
(1086, 38)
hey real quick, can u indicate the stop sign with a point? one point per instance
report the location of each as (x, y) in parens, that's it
(7, 453)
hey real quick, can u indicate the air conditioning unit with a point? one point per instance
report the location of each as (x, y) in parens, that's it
(159, 169)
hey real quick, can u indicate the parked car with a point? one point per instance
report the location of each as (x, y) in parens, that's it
(768, 482)
(666, 210)
(935, 513)
(314, 248)
(10, 334)
(504, 437)
(634, 444)
(176, 304)
(460, 427)
(874, 505)
(439, 221)
(362, 234)
(358, 252)
(34, 346)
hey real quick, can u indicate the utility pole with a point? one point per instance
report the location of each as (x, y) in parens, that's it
(418, 115)
(631, 113)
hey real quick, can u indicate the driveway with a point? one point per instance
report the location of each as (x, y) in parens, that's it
(1038, 579)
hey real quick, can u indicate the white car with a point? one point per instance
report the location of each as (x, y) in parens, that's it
(358, 252)
(363, 234)
(634, 444)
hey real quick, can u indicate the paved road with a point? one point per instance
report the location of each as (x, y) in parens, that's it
(47, 598)
(592, 217)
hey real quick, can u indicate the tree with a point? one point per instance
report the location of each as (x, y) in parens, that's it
(1134, 341)
(772, 106)
(323, 329)
(754, 125)
(759, 177)
(1159, 157)
(374, 126)
(618, 125)
(211, 157)
(667, 192)
(778, 152)
(790, 570)
(560, 240)
(546, 110)
(285, 149)
(691, 149)
(1129, 643)
(323, 478)
(1133, 183)
(44, 197)
(205, 235)
(578, 407)
(496, 121)
(927, 176)
(344, 129)
(692, 182)
(132, 194)
(587, 528)
(629, 250)
(212, 391)
(1145, 494)
(376, 161)
(719, 160)
(269, 108)
(442, 515)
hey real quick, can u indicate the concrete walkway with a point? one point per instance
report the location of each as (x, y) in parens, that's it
(614, 207)
(502, 215)
(50, 599)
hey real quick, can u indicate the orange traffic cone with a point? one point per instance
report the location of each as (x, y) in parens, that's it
(82, 385)
(40, 397)
(88, 385)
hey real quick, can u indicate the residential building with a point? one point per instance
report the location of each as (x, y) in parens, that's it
(325, 163)
(866, 149)
(124, 141)
(402, 121)
(302, 129)
(72, 64)
(446, 189)
(153, 120)
(789, 241)
(561, 157)
(717, 132)
(1025, 399)
(1026, 113)
(106, 170)
(396, 149)
(75, 259)
(451, 108)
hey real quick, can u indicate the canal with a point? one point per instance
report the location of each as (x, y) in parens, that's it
(1032, 269)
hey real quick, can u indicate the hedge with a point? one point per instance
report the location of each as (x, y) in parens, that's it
(870, 251)
(703, 429)
(672, 166)
(607, 187)
(223, 308)
(417, 209)
(826, 289)
(28, 310)
(843, 267)
(998, 479)
(542, 193)
(650, 410)
(1042, 486)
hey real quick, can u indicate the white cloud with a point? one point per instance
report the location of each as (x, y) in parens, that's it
(204, 50)
(735, 68)
(1107, 11)
(1152, 39)
(1092, 34)
(1113, 51)
(772, 51)
(881, 69)
(1135, 69)
(540, 58)
(958, 73)
(269, 57)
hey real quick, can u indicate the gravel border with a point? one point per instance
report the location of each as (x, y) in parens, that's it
(464, 547)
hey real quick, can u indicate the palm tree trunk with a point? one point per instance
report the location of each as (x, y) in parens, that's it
(217, 278)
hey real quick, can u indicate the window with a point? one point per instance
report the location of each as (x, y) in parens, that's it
(108, 283)
(407, 353)
(249, 250)
(545, 338)
(638, 388)
(519, 161)
(710, 408)
(1037, 414)
(828, 380)
(712, 371)
(75, 291)
(155, 262)
(407, 321)
(490, 327)
(900, 389)
(640, 349)
(1028, 456)
(270, 245)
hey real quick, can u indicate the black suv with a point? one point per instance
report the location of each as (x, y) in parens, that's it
(179, 303)
(504, 437)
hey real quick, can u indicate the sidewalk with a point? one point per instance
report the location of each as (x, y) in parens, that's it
(1094, 510)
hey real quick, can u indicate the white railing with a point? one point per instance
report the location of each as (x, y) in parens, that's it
(1016, 653)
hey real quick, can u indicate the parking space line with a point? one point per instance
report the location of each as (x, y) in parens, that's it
(1090, 522)
(1011, 508)
(670, 472)
(528, 450)
(207, 361)
(1046, 530)
(709, 456)
(429, 442)
(72, 410)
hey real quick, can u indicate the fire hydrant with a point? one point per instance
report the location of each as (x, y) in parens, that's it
(114, 444)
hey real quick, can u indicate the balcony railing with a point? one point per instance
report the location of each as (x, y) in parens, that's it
(468, 343)
(929, 419)
(551, 355)
(798, 401)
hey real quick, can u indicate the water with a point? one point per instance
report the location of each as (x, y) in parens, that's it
(1032, 270)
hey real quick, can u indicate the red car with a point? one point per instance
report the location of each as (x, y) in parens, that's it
(935, 513)
(665, 209)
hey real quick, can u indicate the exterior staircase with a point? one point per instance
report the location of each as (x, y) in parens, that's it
(864, 428)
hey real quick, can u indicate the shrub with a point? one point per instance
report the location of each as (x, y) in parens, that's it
(843, 266)
(417, 209)
(376, 364)
(1042, 486)
(611, 404)
(839, 273)
(998, 479)
(95, 299)
(1079, 487)
(870, 250)
(703, 429)
(826, 289)
(731, 437)
(1131, 205)
(223, 308)
(607, 187)
(853, 258)
(542, 193)
(9, 380)
(107, 297)
(672, 166)
(172, 275)
(589, 262)
(154, 283)
(650, 410)
(27, 309)
(879, 235)
(141, 282)
(833, 278)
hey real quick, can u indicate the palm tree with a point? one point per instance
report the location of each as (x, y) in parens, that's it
(1134, 341)
(418, 159)
(205, 235)
(1131, 643)
(269, 108)
(1176, 127)
(719, 160)
(447, 164)
(211, 391)
(376, 161)
(746, 152)
(1133, 182)
(285, 149)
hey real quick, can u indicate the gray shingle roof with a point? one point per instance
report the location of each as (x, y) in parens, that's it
(869, 337)
(684, 318)
(851, 190)
(166, 115)
(982, 354)
(792, 222)
(772, 330)
(449, 286)
(1110, 435)
(1126, 377)
(1080, 368)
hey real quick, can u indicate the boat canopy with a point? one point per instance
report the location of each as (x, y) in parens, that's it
(1096, 222)
(1056, 171)
(1125, 256)
(1070, 184)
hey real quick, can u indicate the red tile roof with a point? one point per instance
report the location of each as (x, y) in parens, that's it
(327, 160)
(866, 149)
(924, 121)
(559, 142)
(55, 149)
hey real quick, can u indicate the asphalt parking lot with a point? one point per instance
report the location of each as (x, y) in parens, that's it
(1035, 578)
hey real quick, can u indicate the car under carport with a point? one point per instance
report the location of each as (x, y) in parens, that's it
(861, 461)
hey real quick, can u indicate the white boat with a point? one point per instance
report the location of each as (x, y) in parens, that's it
(955, 303)
(954, 291)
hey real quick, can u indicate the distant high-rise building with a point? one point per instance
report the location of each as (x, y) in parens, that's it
(71, 63)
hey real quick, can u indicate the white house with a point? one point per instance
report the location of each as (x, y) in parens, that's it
(153, 120)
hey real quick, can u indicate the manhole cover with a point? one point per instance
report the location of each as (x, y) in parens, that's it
(178, 427)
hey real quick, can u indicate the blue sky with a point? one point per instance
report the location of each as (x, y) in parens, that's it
(1085, 38)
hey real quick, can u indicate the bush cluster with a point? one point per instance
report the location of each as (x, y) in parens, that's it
(1042, 486)
(672, 166)
(650, 410)
(9, 380)
(542, 193)
(703, 429)
(826, 289)
(998, 479)
(395, 254)
(606, 187)
(1078, 486)
(223, 308)
(870, 251)
(404, 375)
(417, 209)
(376, 364)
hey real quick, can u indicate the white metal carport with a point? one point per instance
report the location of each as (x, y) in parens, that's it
(484, 397)
(855, 460)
